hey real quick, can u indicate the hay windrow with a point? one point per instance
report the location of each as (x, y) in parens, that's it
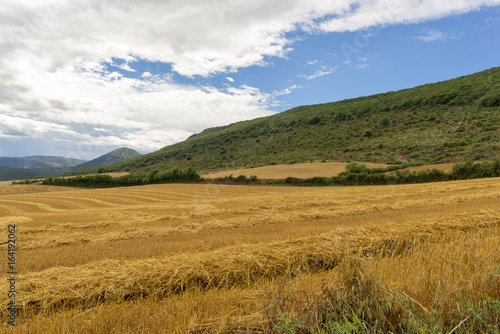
(113, 281)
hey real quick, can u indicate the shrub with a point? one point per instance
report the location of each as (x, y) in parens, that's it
(241, 178)
(356, 167)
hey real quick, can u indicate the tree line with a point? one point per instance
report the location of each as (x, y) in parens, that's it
(356, 174)
(174, 175)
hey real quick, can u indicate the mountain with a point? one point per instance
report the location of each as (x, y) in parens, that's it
(7, 174)
(39, 161)
(30, 166)
(109, 158)
(448, 121)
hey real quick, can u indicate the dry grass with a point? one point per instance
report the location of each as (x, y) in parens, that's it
(195, 258)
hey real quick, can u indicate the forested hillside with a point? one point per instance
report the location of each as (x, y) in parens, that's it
(454, 120)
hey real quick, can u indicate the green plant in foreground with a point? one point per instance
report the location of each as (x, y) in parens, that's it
(344, 327)
(286, 324)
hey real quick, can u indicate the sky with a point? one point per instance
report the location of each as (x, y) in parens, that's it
(81, 78)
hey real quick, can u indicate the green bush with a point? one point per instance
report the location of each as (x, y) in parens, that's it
(356, 167)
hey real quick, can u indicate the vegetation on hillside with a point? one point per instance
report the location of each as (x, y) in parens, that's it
(450, 121)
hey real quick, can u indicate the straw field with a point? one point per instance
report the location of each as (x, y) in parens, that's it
(307, 170)
(302, 170)
(214, 258)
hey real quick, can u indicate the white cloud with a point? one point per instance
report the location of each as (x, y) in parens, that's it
(432, 36)
(114, 75)
(313, 62)
(54, 68)
(286, 91)
(318, 74)
(229, 79)
(364, 14)
(102, 130)
(126, 67)
(324, 70)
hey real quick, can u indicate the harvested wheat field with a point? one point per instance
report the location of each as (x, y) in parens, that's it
(214, 258)
(304, 170)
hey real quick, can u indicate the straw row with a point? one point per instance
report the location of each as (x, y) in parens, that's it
(113, 281)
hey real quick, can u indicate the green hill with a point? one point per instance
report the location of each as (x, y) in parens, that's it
(454, 120)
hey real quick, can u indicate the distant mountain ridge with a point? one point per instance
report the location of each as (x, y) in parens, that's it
(448, 121)
(39, 161)
(117, 155)
(28, 166)
(8, 174)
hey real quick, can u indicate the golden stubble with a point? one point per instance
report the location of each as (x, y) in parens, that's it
(211, 257)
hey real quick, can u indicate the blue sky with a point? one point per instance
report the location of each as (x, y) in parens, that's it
(79, 81)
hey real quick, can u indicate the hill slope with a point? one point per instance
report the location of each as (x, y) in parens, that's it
(117, 155)
(453, 120)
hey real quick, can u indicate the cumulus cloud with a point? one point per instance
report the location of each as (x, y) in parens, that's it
(56, 68)
(363, 14)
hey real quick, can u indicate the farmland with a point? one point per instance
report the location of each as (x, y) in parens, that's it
(216, 258)
(306, 170)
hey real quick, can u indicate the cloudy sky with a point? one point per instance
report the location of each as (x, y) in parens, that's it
(81, 78)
